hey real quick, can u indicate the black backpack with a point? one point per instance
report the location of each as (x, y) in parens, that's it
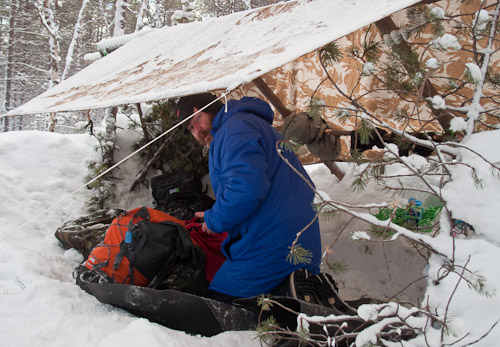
(146, 247)
(180, 194)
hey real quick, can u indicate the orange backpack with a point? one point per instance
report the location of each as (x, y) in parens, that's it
(142, 246)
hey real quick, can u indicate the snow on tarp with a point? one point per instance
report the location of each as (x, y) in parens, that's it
(215, 54)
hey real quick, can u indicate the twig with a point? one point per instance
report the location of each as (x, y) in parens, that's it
(330, 246)
(484, 335)
(406, 287)
(449, 299)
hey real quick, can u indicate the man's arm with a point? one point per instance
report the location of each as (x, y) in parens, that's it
(244, 181)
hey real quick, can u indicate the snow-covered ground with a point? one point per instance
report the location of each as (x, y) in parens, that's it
(40, 305)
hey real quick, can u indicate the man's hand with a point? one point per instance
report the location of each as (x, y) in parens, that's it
(204, 226)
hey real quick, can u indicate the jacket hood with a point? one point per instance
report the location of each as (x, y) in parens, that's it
(246, 104)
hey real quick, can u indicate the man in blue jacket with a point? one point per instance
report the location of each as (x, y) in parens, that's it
(260, 201)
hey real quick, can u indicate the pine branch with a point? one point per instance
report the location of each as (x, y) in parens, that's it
(330, 54)
(298, 254)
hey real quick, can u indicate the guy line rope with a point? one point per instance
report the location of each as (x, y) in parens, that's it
(114, 166)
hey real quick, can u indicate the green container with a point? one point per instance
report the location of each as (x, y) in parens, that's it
(411, 217)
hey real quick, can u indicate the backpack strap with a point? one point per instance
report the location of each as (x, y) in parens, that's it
(98, 267)
(287, 124)
(321, 130)
(135, 238)
(171, 258)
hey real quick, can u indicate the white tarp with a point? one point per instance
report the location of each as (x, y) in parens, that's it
(215, 54)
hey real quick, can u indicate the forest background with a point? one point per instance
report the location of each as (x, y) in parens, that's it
(45, 41)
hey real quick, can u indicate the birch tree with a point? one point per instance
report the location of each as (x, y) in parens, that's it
(143, 11)
(23, 41)
(47, 17)
(48, 20)
(76, 34)
(8, 56)
(119, 20)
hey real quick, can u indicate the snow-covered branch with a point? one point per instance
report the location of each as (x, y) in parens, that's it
(479, 73)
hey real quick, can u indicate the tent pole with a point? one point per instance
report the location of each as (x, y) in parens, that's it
(269, 94)
(144, 129)
(334, 169)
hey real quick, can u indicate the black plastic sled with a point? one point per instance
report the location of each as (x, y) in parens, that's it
(176, 310)
(198, 315)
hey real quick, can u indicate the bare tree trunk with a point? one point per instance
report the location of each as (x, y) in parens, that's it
(334, 169)
(47, 17)
(8, 62)
(110, 119)
(144, 129)
(110, 136)
(140, 17)
(48, 20)
(119, 28)
(76, 34)
(104, 19)
(156, 18)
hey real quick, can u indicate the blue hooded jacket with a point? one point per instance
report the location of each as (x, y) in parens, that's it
(260, 201)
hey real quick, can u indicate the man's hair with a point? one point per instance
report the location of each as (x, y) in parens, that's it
(186, 104)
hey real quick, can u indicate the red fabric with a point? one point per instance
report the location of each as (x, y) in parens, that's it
(211, 244)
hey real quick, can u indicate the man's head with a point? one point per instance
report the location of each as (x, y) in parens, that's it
(201, 124)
